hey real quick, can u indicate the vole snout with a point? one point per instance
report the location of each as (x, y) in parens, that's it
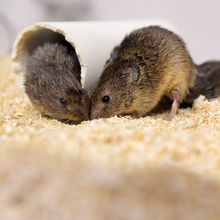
(97, 111)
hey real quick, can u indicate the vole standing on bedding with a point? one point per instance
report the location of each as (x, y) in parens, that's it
(150, 63)
(207, 82)
(53, 83)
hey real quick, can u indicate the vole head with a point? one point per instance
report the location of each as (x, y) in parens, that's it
(65, 101)
(119, 91)
(52, 83)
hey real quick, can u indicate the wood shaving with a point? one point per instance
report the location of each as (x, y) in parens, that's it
(104, 160)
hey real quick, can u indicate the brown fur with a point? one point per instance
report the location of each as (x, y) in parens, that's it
(53, 73)
(150, 63)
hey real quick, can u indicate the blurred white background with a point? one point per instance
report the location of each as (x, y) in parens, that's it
(197, 21)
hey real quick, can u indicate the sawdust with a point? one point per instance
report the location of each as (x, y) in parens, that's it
(192, 137)
(190, 141)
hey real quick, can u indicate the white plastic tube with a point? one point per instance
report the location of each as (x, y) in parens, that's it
(93, 42)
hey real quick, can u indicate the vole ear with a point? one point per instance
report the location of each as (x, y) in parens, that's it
(114, 55)
(131, 74)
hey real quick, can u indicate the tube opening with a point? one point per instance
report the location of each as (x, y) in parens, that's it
(34, 38)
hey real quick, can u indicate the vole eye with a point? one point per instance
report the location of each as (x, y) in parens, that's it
(63, 102)
(105, 99)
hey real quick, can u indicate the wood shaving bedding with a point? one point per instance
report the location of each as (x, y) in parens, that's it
(116, 168)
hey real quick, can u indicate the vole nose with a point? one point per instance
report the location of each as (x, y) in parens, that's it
(97, 111)
(82, 113)
(95, 114)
